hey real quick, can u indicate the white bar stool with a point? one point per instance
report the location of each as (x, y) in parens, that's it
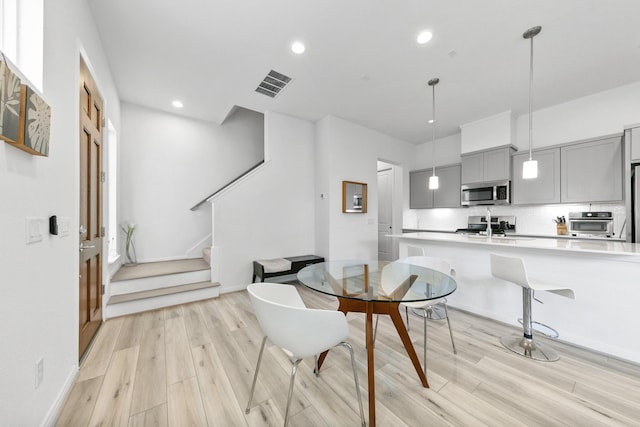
(513, 270)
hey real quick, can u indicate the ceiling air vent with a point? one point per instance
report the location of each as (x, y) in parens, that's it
(273, 83)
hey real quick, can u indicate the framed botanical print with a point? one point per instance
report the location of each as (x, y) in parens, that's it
(10, 97)
(37, 123)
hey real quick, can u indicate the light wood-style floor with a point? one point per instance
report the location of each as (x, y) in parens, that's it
(192, 365)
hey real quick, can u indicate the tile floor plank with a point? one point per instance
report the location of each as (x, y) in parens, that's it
(98, 356)
(154, 417)
(150, 388)
(178, 353)
(484, 384)
(80, 403)
(220, 405)
(185, 404)
(114, 400)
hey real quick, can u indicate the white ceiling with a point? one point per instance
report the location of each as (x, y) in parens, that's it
(362, 62)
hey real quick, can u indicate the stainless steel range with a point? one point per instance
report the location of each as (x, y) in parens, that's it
(499, 225)
(591, 224)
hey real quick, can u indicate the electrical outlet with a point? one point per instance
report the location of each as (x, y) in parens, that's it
(39, 372)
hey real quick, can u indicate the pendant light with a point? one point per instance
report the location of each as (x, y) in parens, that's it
(433, 179)
(530, 167)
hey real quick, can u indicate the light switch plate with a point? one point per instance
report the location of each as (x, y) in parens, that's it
(64, 226)
(35, 229)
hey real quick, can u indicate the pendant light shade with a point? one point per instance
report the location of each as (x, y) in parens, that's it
(434, 183)
(530, 167)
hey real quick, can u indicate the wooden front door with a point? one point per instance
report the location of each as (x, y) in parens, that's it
(91, 231)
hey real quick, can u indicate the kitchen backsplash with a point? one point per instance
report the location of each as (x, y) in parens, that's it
(536, 220)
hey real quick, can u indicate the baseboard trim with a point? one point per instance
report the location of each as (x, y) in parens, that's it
(228, 290)
(54, 411)
(581, 343)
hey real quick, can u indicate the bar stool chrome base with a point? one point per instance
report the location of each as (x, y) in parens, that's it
(528, 348)
(543, 329)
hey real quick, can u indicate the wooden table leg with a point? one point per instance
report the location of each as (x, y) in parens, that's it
(408, 345)
(391, 309)
(371, 365)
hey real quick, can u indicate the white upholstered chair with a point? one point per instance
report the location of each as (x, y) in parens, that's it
(299, 331)
(512, 269)
(423, 308)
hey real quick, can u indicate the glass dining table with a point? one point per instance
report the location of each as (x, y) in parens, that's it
(377, 287)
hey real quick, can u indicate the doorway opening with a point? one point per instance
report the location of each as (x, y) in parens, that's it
(389, 209)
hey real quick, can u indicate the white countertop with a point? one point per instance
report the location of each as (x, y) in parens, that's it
(561, 244)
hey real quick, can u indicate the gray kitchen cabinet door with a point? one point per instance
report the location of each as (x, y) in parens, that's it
(486, 166)
(420, 197)
(448, 195)
(543, 189)
(472, 168)
(497, 164)
(635, 144)
(592, 171)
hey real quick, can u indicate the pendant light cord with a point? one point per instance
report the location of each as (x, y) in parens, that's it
(531, 99)
(433, 132)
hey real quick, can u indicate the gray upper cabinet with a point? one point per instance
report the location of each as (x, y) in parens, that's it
(472, 168)
(447, 196)
(635, 144)
(420, 195)
(592, 171)
(485, 166)
(543, 189)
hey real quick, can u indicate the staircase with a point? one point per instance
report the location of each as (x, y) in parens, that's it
(152, 285)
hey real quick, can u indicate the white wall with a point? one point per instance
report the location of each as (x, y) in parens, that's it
(270, 214)
(447, 152)
(169, 163)
(489, 132)
(39, 282)
(350, 152)
(603, 113)
(322, 187)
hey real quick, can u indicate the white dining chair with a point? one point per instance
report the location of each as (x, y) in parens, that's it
(423, 307)
(415, 251)
(299, 331)
(512, 269)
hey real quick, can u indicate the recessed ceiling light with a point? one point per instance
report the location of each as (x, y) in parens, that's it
(297, 47)
(177, 104)
(430, 121)
(424, 37)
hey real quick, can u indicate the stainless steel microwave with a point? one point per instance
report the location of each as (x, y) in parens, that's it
(486, 193)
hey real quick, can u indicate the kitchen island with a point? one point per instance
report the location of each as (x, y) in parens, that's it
(605, 276)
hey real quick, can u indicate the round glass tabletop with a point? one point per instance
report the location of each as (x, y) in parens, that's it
(377, 280)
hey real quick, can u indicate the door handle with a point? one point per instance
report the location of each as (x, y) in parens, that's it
(83, 247)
